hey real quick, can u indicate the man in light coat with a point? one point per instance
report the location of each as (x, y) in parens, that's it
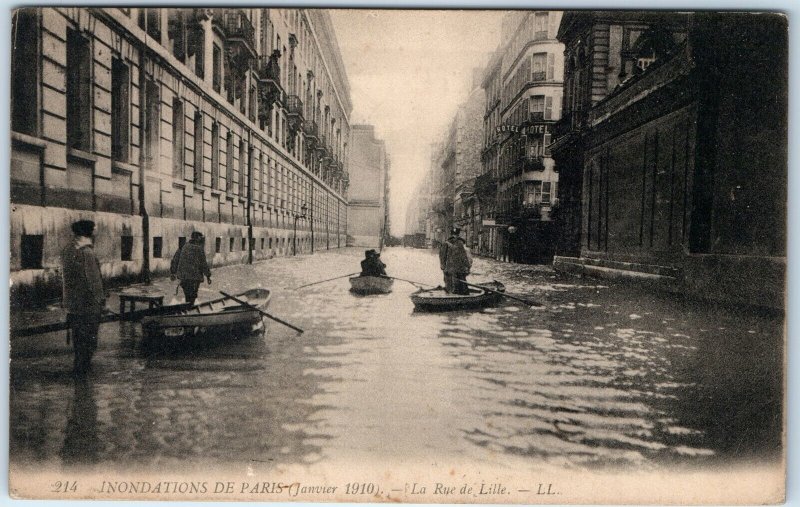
(455, 261)
(189, 265)
(83, 294)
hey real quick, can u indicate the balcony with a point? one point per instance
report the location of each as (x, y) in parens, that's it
(294, 108)
(311, 130)
(487, 151)
(538, 76)
(269, 83)
(485, 185)
(532, 163)
(531, 211)
(536, 116)
(239, 31)
(322, 146)
(334, 166)
(268, 68)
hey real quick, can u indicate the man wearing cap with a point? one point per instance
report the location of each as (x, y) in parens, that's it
(189, 265)
(372, 264)
(83, 294)
(455, 262)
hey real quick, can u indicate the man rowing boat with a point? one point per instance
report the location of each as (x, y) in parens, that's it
(372, 265)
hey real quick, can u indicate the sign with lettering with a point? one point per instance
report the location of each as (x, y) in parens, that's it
(535, 129)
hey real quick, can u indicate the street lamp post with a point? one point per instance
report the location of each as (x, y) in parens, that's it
(294, 236)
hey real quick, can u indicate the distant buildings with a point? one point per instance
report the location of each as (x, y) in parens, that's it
(367, 220)
(672, 151)
(455, 163)
(523, 101)
(417, 217)
(493, 175)
(157, 122)
(650, 145)
(468, 143)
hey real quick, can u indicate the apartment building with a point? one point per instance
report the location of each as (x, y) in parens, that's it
(158, 122)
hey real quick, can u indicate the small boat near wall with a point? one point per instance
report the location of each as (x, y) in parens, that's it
(220, 317)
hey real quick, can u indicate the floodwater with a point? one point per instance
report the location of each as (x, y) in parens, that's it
(603, 375)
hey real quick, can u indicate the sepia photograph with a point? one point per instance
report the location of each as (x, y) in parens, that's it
(392, 255)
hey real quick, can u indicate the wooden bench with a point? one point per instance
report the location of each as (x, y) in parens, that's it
(152, 300)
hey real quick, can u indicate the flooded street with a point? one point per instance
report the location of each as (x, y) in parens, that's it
(603, 375)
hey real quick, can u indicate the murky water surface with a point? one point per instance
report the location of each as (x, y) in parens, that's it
(603, 375)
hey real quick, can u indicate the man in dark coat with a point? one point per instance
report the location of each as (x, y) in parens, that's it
(189, 265)
(372, 265)
(83, 294)
(455, 261)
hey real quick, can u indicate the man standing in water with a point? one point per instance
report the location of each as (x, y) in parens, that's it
(189, 265)
(455, 262)
(83, 294)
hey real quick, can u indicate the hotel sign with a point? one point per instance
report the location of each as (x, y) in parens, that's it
(535, 129)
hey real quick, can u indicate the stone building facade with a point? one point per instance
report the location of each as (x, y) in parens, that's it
(469, 135)
(158, 122)
(523, 92)
(416, 219)
(677, 167)
(367, 196)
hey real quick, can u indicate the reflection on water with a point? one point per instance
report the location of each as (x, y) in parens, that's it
(601, 376)
(81, 443)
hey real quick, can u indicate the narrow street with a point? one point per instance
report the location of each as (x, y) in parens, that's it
(603, 375)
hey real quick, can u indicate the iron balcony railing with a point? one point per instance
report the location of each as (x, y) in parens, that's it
(536, 116)
(311, 130)
(532, 163)
(322, 146)
(239, 28)
(294, 106)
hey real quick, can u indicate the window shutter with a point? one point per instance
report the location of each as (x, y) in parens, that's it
(177, 32)
(548, 108)
(547, 138)
(550, 65)
(553, 28)
(198, 149)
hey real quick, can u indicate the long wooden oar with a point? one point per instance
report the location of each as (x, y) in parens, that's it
(112, 317)
(529, 303)
(328, 280)
(409, 281)
(262, 312)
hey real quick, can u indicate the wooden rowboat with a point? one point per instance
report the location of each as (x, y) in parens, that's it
(371, 285)
(438, 300)
(223, 317)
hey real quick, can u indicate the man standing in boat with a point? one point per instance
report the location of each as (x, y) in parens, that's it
(83, 294)
(455, 261)
(189, 265)
(372, 264)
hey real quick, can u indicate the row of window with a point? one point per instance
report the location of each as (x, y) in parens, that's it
(266, 243)
(32, 247)
(540, 192)
(543, 26)
(528, 193)
(79, 104)
(539, 67)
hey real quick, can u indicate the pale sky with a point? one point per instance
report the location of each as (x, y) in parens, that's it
(408, 72)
